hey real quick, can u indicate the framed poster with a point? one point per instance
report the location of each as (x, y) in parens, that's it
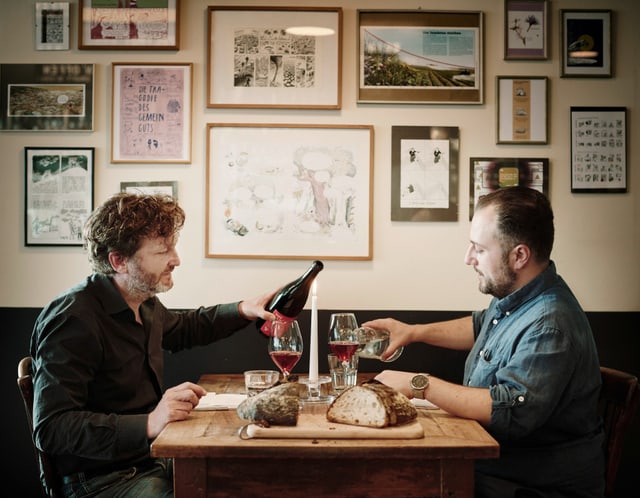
(492, 173)
(151, 113)
(585, 44)
(128, 24)
(159, 187)
(525, 32)
(274, 57)
(424, 173)
(287, 191)
(46, 97)
(522, 110)
(59, 194)
(52, 26)
(599, 149)
(420, 57)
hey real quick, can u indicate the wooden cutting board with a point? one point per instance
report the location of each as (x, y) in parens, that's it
(316, 426)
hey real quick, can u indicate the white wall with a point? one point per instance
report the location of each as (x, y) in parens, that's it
(415, 265)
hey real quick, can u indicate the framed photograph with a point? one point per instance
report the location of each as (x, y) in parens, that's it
(274, 57)
(522, 110)
(128, 24)
(149, 188)
(585, 44)
(599, 149)
(492, 173)
(420, 57)
(151, 113)
(424, 173)
(52, 26)
(526, 28)
(286, 191)
(59, 194)
(46, 97)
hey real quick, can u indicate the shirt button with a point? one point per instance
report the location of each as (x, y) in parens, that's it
(521, 399)
(495, 321)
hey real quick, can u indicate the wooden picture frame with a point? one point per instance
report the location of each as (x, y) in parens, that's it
(585, 44)
(288, 191)
(46, 97)
(127, 24)
(152, 187)
(52, 26)
(257, 57)
(488, 174)
(420, 57)
(58, 194)
(599, 150)
(424, 173)
(151, 112)
(526, 29)
(522, 110)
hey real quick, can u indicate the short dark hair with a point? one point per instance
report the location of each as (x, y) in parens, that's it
(524, 216)
(123, 221)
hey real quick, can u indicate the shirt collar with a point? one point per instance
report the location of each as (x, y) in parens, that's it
(534, 288)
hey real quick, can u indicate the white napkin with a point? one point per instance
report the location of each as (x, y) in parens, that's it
(423, 403)
(222, 401)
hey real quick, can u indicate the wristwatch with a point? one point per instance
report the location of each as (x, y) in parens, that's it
(419, 384)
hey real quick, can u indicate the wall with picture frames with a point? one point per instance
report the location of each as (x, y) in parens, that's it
(404, 116)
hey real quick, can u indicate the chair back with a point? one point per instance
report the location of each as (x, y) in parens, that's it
(48, 477)
(619, 399)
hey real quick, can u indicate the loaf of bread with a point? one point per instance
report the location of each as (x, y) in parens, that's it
(278, 405)
(372, 404)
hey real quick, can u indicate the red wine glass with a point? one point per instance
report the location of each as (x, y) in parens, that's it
(343, 338)
(285, 345)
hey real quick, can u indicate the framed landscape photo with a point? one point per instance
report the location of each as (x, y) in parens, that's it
(522, 109)
(153, 187)
(492, 173)
(128, 24)
(287, 191)
(526, 28)
(598, 149)
(52, 26)
(420, 57)
(585, 44)
(274, 57)
(151, 113)
(59, 194)
(424, 173)
(46, 97)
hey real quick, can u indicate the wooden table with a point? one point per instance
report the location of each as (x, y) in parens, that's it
(210, 459)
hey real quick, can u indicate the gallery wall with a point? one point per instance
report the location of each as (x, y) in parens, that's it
(414, 265)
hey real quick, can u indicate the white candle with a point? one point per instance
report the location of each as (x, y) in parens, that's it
(313, 346)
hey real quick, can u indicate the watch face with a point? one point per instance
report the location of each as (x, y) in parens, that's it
(420, 382)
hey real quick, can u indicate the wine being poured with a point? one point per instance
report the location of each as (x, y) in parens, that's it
(285, 345)
(289, 301)
(343, 338)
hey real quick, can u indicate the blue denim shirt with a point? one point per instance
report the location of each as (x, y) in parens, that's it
(535, 352)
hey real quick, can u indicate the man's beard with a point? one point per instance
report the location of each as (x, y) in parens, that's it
(145, 285)
(502, 284)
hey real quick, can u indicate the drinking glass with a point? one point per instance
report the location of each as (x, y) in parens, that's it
(374, 342)
(256, 381)
(341, 376)
(343, 338)
(285, 345)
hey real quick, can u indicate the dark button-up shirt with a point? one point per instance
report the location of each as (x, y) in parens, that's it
(535, 352)
(98, 372)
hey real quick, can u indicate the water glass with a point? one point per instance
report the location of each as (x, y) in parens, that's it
(256, 381)
(342, 376)
(374, 342)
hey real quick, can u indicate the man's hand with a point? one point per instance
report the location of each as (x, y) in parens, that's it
(252, 309)
(176, 404)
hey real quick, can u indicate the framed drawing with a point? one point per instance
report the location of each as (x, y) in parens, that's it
(166, 188)
(585, 44)
(286, 191)
(59, 194)
(599, 149)
(526, 28)
(420, 57)
(522, 109)
(46, 97)
(151, 113)
(492, 173)
(128, 24)
(52, 25)
(274, 57)
(424, 173)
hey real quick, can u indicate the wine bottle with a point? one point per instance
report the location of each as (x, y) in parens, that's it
(290, 299)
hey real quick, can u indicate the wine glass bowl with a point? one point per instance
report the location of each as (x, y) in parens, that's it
(343, 338)
(285, 345)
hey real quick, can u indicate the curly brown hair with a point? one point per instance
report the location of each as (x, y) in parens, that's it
(123, 221)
